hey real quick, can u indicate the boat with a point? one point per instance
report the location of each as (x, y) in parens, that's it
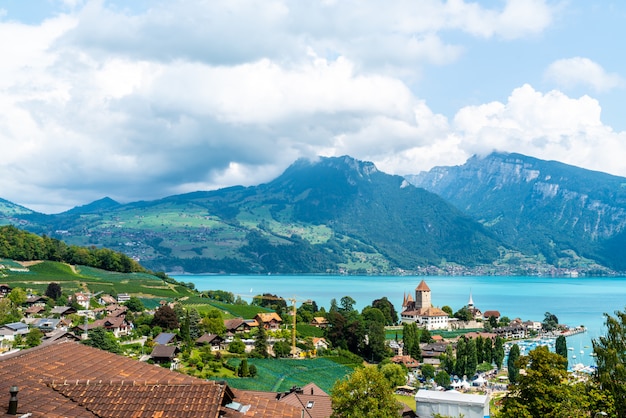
(570, 348)
(574, 356)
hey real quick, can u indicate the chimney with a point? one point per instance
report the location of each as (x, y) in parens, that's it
(13, 401)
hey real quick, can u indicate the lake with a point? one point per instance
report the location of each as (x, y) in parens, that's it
(575, 301)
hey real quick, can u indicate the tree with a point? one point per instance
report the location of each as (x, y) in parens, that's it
(166, 318)
(213, 322)
(543, 391)
(395, 374)
(237, 347)
(135, 304)
(8, 312)
(53, 291)
(550, 321)
(447, 309)
(260, 344)
(498, 352)
(511, 363)
(442, 379)
(282, 348)
(560, 347)
(387, 308)
(448, 361)
(17, 296)
(243, 370)
(103, 340)
(610, 351)
(471, 361)
(428, 371)
(365, 393)
(461, 356)
(376, 349)
(33, 338)
(463, 314)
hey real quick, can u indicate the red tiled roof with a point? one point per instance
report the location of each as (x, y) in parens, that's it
(69, 379)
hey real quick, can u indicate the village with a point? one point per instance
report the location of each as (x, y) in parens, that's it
(168, 336)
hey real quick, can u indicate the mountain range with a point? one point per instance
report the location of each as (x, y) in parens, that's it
(500, 214)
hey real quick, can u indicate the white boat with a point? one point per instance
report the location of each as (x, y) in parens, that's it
(570, 348)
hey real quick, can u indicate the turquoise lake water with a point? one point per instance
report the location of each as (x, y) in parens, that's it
(575, 301)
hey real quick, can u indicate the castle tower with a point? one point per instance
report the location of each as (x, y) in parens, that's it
(422, 296)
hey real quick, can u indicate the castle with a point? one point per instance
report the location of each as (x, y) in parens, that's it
(421, 311)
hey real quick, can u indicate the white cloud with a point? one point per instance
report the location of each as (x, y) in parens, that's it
(578, 71)
(548, 126)
(195, 94)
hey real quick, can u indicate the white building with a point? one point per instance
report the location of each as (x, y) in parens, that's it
(451, 404)
(421, 310)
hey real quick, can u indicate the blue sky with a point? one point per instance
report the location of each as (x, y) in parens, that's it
(144, 99)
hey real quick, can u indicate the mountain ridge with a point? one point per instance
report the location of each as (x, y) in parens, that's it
(544, 207)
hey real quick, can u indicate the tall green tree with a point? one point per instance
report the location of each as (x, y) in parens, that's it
(471, 362)
(365, 393)
(461, 356)
(260, 344)
(511, 363)
(498, 352)
(543, 391)
(448, 361)
(560, 347)
(610, 351)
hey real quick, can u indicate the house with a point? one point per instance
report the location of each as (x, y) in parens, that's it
(314, 402)
(5, 289)
(49, 324)
(107, 300)
(62, 311)
(165, 338)
(164, 353)
(319, 322)
(421, 310)
(118, 325)
(123, 297)
(9, 331)
(489, 314)
(35, 300)
(408, 361)
(515, 332)
(432, 351)
(269, 320)
(81, 299)
(215, 341)
(320, 343)
(234, 326)
(451, 403)
(33, 310)
(67, 379)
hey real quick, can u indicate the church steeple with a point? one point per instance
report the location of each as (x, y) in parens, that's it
(470, 303)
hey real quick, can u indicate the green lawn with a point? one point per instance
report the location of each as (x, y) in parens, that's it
(276, 375)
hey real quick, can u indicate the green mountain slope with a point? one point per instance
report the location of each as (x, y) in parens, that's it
(332, 215)
(539, 207)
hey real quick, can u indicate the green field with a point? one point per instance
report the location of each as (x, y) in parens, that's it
(278, 375)
(73, 279)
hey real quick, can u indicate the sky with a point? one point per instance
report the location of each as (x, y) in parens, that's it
(138, 100)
